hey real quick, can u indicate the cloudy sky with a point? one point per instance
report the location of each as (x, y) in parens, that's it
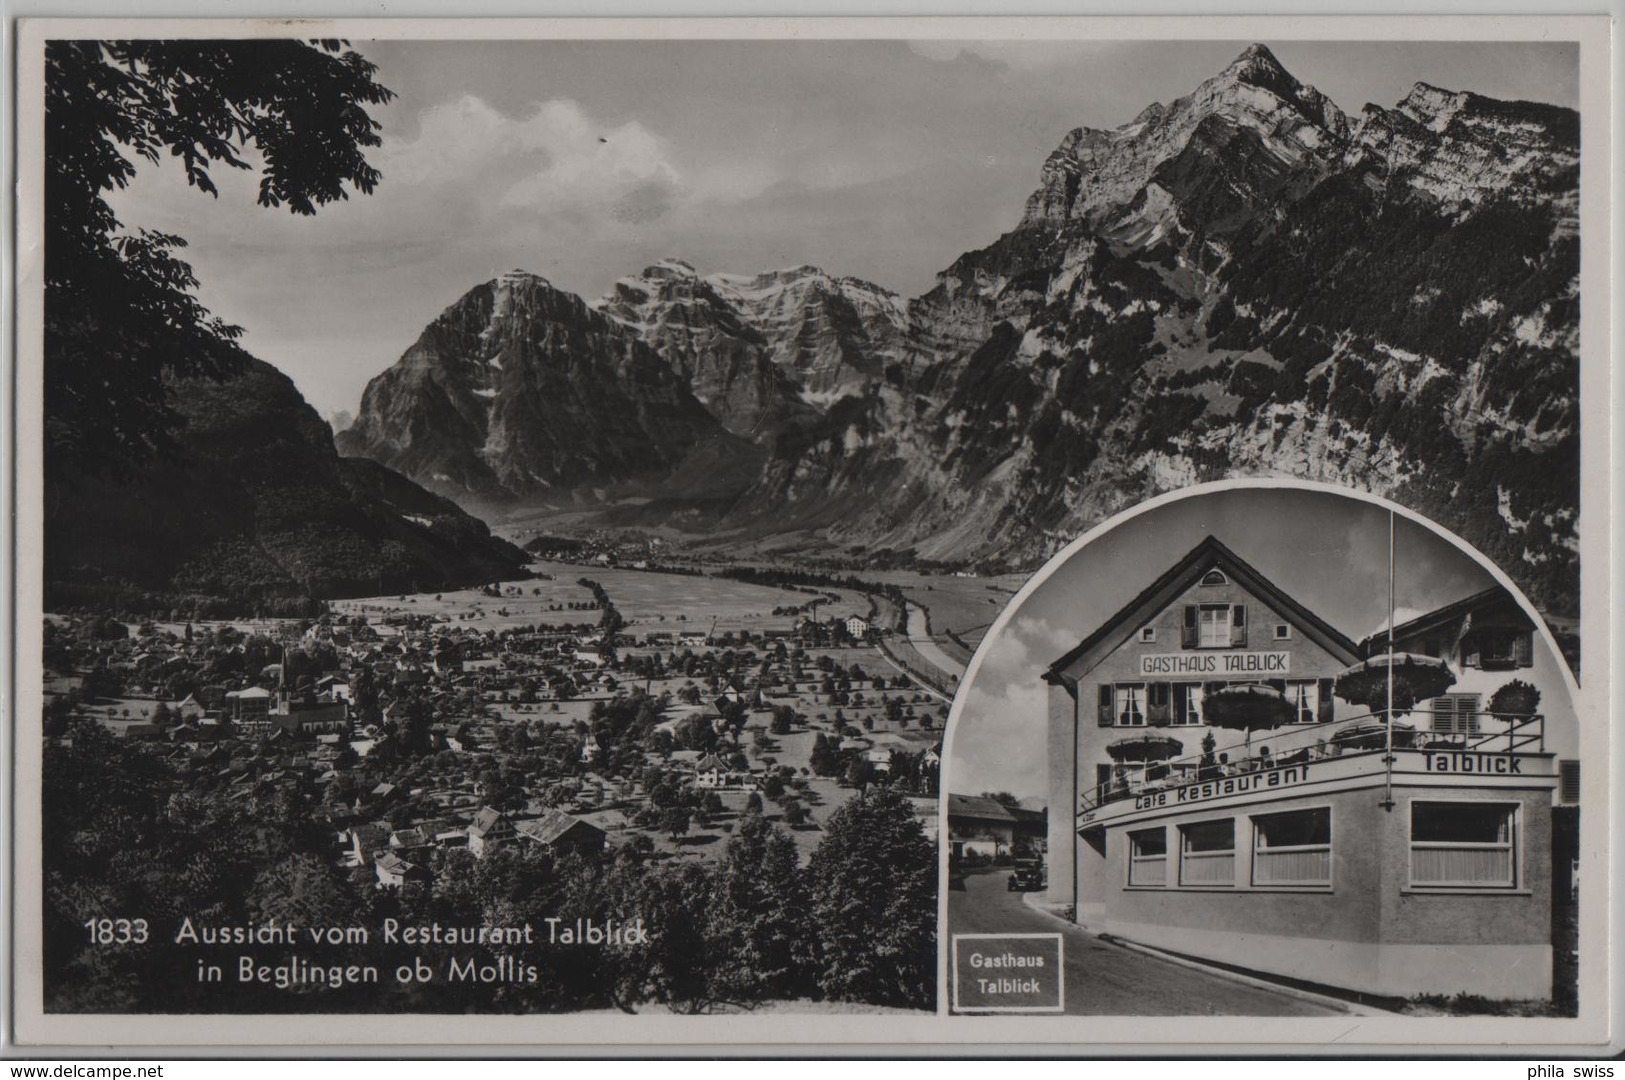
(1329, 552)
(587, 161)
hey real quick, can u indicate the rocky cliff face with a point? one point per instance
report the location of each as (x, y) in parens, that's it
(1244, 281)
(256, 513)
(1253, 128)
(836, 335)
(764, 352)
(703, 335)
(519, 389)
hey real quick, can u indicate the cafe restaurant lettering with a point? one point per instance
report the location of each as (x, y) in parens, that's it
(1239, 794)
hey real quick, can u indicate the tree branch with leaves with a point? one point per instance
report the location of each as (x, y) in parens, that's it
(120, 311)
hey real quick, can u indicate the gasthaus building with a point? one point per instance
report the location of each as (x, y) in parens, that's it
(1312, 843)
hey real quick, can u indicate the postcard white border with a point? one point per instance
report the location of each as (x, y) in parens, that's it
(786, 1033)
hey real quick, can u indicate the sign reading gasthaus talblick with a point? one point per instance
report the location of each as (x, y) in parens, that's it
(1217, 663)
(995, 973)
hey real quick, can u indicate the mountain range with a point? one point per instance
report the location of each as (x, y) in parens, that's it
(254, 512)
(1245, 281)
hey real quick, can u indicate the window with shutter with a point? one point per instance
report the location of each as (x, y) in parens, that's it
(1326, 688)
(1497, 649)
(1157, 710)
(1304, 697)
(1130, 702)
(1455, 713)
(1104, 711)
(1187, 704)
(1188, 639)
(1523, 650)
(1214, 631)
(1238, 625)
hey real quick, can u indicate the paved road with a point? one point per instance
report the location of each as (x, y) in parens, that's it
(919, 636)
(1107, 980)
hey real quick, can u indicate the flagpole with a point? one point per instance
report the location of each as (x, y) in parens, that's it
(1388, 715)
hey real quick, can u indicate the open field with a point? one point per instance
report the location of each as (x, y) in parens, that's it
(648, 601)
(965, 605)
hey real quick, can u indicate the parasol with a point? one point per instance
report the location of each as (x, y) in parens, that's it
(1145, 748)
(1247, 707)
(1372, 734)
(1415, 678)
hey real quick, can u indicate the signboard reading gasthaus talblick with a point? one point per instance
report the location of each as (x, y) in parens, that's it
(1007, 973)
(1216, 663)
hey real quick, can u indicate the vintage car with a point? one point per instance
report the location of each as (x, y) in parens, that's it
(1026, 875)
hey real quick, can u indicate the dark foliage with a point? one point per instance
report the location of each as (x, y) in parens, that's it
(120, 313)
(128, 833)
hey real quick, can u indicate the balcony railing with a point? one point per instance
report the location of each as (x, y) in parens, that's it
(1307, 743)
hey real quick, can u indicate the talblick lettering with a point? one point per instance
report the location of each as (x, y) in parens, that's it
(1255, 662)
(1008, 986)
(589, 932)
(1463, 762)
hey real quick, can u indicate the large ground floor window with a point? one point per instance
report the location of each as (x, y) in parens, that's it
(1293, 848)
(1148, 857)
(1464, 844)
(1207, 853)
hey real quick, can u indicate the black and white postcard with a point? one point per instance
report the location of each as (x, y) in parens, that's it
(813, 533)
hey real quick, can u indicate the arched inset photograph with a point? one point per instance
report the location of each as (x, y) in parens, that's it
(1265, 750)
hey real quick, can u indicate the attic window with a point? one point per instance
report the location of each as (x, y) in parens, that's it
(1215, 577)
(1148, 633)
(1283, 632)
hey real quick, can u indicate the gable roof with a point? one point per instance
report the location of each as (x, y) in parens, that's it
(1449, 615)
(485, 821)
(975, 806)
(554, 824)
(392, 863)
(1205, 556)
